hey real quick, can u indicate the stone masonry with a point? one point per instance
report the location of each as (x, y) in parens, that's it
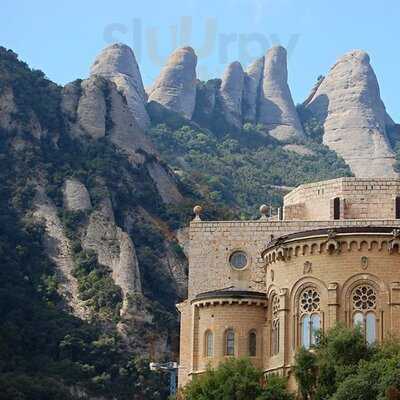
(308, 249)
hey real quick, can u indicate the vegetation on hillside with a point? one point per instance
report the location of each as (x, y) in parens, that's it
(242, 169)
(45, 353)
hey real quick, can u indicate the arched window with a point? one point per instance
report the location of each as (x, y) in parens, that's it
(230, 342)
(209, 344)
(310, 319)
(275, 306)
(252, 344)
(364, 300)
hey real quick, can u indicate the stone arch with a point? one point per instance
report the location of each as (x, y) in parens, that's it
(302, 283)
(353, 245)
(345, 245)
(314, 248)
(226, 338)
(357, 280)
(208, 343)
(295, 293)
(374, 245)
(272, 290)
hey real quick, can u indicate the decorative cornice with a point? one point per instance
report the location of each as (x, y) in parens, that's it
(332, 241)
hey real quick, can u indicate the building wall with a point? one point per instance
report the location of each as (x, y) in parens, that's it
(361, 199)
(218, 318)
(308, 263)
(211, 244)
(364, 202)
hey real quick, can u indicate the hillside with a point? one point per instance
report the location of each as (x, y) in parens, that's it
(97, 184)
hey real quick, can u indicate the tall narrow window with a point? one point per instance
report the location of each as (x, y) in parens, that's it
(336, 208)
(209, 344)
(364, 300)
(397, 205)
(252, 344)
(310, 319)
(275, 325)
(230, 343)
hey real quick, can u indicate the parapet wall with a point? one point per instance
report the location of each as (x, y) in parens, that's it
(360, 198)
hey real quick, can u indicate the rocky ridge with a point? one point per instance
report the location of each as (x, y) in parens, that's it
(175, 87)
(117, 63)
(276, 108)
(347, 103)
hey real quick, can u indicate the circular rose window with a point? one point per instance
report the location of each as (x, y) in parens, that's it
(238, 259)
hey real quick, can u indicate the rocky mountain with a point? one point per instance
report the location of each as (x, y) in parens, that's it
(118, 64)
(175, 88)
(98, 180)
(231, 93)
(347, 103)
(259, 95)
(276, 109)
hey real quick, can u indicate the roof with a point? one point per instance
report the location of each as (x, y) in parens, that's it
(231, 292)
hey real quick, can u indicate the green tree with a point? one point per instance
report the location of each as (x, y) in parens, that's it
(343, 367)
(305, 371)
(235, 379)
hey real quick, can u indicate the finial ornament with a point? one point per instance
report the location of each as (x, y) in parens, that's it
(264, 211)
(197, 212)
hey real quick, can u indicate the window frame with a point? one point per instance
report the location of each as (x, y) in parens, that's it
(208, 344)
(252, 343)
(229, 343)
(365, 312)
(310, 316)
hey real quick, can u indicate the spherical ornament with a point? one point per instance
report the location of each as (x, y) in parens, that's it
(264, 209)
(197, 210)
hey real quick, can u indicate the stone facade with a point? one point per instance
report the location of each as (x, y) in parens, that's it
(307, 256)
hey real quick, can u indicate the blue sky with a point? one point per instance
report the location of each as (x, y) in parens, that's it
(63, 37)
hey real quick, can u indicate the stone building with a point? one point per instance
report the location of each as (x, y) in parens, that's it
(263, 288)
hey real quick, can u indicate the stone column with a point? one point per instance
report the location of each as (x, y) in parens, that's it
(394, 304)
(284, 345)
(333, 305)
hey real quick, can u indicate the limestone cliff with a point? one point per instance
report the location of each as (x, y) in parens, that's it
(115, 249)
(252, 83)
(276, 108)
(175, 87)
(117, 62)
(231, 93)
(75, 195)
(348, 104)
(58, 249)
(96, 108)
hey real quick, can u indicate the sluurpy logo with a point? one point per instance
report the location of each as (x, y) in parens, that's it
(150, 43)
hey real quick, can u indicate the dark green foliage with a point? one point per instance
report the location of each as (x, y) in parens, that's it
(305, 371)
(44, 351)
(96, 287)
(242, 170)
(313, 129)
(343, 367)
(235, 379)
(275, 389)
(31, 90)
